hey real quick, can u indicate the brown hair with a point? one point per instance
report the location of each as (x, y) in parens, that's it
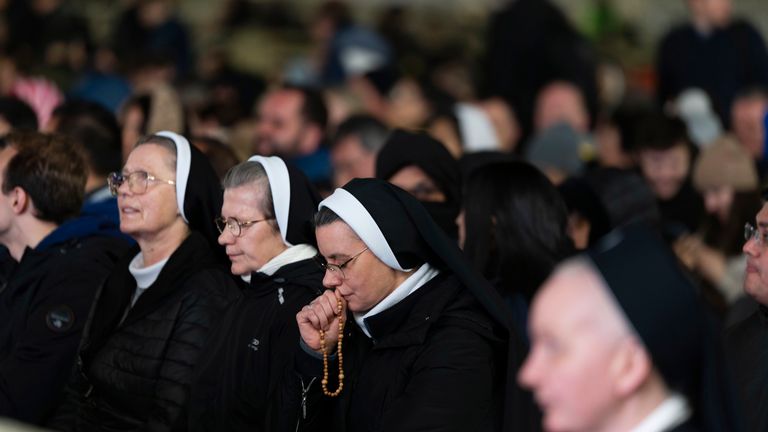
(51, 169)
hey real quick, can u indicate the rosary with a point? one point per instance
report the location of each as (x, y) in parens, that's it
(324, 382)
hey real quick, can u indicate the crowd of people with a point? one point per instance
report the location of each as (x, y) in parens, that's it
(358, 247)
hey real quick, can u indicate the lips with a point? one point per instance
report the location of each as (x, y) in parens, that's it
(751, 268)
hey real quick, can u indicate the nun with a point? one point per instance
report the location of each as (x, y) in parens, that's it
(621, 342)
(423, 167)
(406, 337)
(152, 315)
(266, 228)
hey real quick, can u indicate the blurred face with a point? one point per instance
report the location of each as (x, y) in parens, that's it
(747, 124)
(367, 280)
(756, 281)
(718, 202)
(716, 12)
(147, 215)
(259, 242)
(561, 103)
(407, 106)
(570, 367)
(665, 170)
(415, 181)
(351, 160)
(280, 127)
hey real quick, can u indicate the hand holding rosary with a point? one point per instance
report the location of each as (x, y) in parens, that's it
(324, 382)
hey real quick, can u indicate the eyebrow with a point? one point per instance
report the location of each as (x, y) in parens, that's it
(763, 224)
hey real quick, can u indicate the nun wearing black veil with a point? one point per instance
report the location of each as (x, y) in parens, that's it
(151, 317)
(426, 344)
(266, 227)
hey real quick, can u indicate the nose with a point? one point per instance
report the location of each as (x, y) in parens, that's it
(331, 279)
(751, 247)
(528, 375)
(226, 238)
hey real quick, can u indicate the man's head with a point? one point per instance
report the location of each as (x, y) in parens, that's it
(586, 364)
(249, 231)
(291, 122)
(708, 14)
(43, 181)
(96, 129)
(756, 280)
(354, 148)
(664, 154)
(747, 113)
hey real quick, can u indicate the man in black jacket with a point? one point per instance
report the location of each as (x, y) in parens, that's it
(265, 227)
(62, 260)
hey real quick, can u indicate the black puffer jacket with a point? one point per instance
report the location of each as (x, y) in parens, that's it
(135, 374)
(248, 353)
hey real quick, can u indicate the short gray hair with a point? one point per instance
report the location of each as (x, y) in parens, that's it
(371, 132)
(251, 173)
(163, 142)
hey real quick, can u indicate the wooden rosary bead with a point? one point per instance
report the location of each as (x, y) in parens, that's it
(324, 381)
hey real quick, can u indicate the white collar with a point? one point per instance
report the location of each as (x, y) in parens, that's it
(672, 412)
(291, 255)
(145, 276)
(419, 278)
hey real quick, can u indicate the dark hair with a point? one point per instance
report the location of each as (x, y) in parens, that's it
(657, 131)
(325, 216)
(371, 132)
(337, 12)
(313, 108)
(516, 226)
(18, 114)
(728, 238)
(51, 170)
(220, 155)
(96, 129)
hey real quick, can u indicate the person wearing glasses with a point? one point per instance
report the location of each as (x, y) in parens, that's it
(151, 317)
(265, 226)
(747, 341)
(426, 344)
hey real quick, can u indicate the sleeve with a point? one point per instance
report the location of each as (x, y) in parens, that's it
(197, 315)
(35, 371)
(451, 386)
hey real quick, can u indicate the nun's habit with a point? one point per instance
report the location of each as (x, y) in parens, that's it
(149, 324)
(235, 384)
(408, 148)
(662, 305)
(438, 353)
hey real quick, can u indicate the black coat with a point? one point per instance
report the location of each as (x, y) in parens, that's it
(433, 364)
(747, 349)
(238, 376)
(43, 309)
(135, 374)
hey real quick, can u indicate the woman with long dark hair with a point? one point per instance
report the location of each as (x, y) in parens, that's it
(514, 228)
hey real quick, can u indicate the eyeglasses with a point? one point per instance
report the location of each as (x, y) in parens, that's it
(137, 181)
(750, 232)
(337, 268)
(234, 226)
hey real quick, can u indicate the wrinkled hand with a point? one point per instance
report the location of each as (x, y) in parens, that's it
(319, 314)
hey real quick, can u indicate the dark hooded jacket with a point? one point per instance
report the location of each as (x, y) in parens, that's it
(44, 305)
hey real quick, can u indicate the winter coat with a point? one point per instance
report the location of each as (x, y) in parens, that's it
(44, 304)
(237, 378)
(433, 363)
(133, 373)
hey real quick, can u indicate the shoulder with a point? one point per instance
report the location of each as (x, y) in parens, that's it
(211, 281)
(745, 333)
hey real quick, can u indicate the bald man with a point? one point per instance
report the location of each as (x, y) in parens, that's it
(606, 357)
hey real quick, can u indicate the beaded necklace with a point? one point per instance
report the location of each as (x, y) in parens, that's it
(324, 382)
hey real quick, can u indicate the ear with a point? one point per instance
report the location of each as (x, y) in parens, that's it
(630, 368)
(20, 200)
